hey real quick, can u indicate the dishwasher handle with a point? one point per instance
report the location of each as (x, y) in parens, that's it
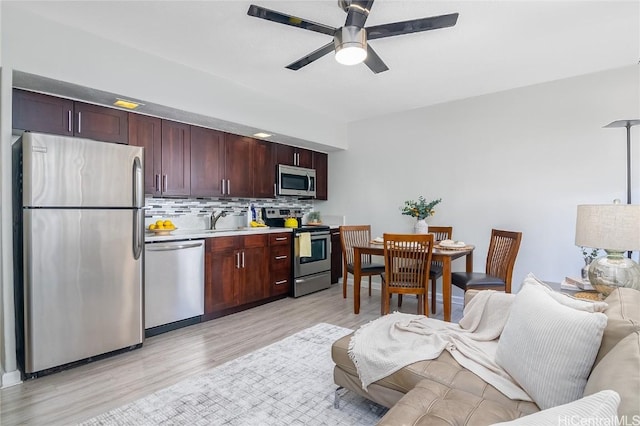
(153, 247)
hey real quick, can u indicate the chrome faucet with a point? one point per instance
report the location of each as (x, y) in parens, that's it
(214, 218)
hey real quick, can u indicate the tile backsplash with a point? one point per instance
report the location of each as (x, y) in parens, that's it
(195, 213)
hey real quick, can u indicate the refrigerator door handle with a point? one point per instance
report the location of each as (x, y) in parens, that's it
(138, 213)
(138, 233)
(138, 193)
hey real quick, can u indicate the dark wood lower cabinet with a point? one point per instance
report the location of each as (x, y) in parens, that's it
(336, 256)
(281, 262)
(254, 266)
(238, 272)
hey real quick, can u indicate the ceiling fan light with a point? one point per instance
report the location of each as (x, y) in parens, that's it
(351, 55)
(351, 45)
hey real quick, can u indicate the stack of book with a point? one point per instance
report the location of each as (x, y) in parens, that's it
(576, 284)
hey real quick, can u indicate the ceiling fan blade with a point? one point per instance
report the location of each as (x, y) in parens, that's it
(374, 62)
(281, 18)
(315, 55)
(358, 13)
(412, 26)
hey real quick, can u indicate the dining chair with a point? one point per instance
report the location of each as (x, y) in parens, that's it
(503, 249)
(439, 233)
(357, 235)
(407, 261)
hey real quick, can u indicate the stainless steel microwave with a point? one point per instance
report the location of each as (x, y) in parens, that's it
(296, 181)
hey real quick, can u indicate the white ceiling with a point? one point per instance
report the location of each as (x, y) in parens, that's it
(495, 46)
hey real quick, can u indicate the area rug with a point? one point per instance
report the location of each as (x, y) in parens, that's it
(289, 382)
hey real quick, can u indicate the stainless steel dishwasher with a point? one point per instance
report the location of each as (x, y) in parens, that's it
(173, 285)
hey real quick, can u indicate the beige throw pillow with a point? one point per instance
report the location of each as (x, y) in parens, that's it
(549, 348)
(597, 409)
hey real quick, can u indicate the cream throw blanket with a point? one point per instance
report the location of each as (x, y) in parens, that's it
(389, 343)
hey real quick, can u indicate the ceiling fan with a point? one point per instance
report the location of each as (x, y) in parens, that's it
(350, 40)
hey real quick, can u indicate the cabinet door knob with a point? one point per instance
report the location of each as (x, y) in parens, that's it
(79, 122)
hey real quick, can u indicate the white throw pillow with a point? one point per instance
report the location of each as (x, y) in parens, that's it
(598, 409)
(565, 299)
(549, 348)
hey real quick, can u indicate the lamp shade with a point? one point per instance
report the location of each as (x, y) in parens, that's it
(614, 227)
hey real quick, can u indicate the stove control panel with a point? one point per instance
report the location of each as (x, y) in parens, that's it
(282, 213)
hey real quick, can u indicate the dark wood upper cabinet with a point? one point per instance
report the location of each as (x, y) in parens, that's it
(321, 165)
(176, 159)
(146, 132)
(42, 113)
(101, 123)
(207, 162)
(293, 156)
(180, 160)
(238, 165)
(49, 114)
(229, 165)
(264, 169)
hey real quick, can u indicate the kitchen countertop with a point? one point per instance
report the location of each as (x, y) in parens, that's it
(193, 234)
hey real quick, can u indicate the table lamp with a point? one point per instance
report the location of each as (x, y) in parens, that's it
(616, 229)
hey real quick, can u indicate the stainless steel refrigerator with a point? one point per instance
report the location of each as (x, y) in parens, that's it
(83, 243)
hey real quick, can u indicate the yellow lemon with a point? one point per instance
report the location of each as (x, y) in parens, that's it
(159, 223)
(152, 226)
(167, 223)
(159, 226)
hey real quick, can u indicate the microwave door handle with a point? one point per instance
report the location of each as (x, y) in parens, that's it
(308, 183)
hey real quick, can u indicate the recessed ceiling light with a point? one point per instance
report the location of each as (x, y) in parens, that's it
(261, 135)
(123, 103)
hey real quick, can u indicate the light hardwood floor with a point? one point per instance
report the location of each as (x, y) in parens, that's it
(83, 392)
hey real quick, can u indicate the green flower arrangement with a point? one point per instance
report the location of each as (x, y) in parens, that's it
(420, 209)
(589, 256)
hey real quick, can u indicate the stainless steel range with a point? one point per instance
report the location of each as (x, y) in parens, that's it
(311, 273)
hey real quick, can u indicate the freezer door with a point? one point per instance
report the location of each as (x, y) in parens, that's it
(60, 171)
(83, 285)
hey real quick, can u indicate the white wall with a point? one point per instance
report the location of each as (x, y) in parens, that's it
(39, 46)
(516, 160)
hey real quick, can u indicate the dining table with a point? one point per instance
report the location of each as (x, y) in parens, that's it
(446, 256)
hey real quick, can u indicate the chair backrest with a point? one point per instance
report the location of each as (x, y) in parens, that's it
(503, 250)
(353, 235)
(407, 260)
(441, 232)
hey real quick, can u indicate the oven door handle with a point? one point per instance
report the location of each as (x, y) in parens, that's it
(315, 234)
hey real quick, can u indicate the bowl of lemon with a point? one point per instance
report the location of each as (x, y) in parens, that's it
(162, 227)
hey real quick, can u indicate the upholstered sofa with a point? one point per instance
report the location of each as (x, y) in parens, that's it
(442, 392)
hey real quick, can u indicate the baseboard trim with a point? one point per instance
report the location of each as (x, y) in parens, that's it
(375, 284)
(11, 378)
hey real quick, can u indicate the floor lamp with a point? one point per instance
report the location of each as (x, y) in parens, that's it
(628, 124)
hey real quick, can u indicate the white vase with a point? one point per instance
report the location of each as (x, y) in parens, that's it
(421, 227)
